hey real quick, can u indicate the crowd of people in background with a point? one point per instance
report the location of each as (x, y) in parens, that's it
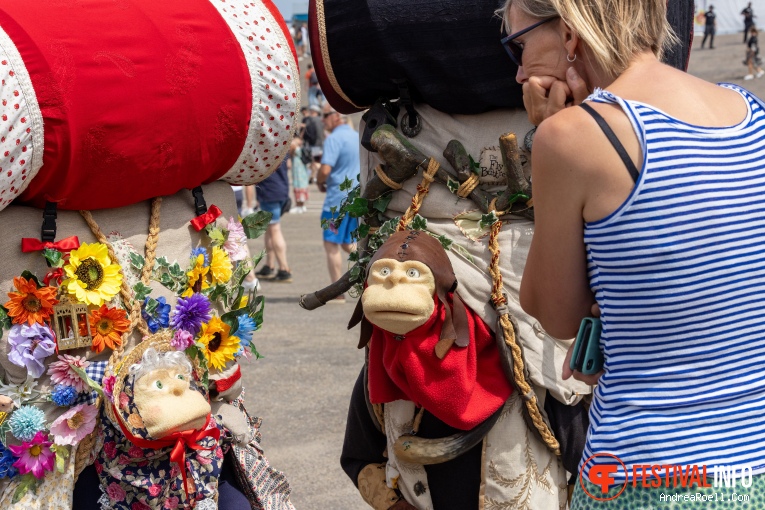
(308, 162)
(752, 59)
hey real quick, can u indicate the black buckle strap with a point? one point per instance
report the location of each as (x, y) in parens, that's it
(200, 206)
(48, 229)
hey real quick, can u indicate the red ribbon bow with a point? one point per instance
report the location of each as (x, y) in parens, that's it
(29, 244)
(205, 219)
(179, 441)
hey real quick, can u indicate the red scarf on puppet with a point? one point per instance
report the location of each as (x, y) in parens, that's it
(449, 364)
(462, 390)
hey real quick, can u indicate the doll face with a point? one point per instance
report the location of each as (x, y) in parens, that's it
(168, 404)
(399, 295)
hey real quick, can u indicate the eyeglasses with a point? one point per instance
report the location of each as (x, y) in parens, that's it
(514, 49)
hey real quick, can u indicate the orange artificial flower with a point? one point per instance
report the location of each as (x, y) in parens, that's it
(30, 304)
(107, 326)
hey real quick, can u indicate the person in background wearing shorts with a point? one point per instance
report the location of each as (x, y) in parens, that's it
(339, 161)
(273, 194)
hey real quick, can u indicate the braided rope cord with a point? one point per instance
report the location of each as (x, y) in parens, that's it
(150, 251)
(387, 180)
(519, 377)
(422, 192)
(467, 187)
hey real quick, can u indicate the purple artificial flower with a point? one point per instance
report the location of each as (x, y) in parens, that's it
(190, 313)
(182, 340)
(30, 345)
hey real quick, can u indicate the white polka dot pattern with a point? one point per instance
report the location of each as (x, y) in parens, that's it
(275, 89)
(21, 126)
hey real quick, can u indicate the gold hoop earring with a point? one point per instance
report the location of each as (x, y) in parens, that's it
(571, 60)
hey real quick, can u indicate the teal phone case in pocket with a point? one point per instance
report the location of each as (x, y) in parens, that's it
(587, 357)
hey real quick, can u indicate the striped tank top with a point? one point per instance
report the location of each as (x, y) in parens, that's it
(678, 271)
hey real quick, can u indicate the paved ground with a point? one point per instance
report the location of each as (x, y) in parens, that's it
(724, 63)
(301, 387)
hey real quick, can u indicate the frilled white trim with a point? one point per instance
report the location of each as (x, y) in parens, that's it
(275, 89)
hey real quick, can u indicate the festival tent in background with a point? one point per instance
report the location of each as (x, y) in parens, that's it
(729, 18)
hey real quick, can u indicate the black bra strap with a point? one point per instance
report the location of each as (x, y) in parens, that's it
(631, 168)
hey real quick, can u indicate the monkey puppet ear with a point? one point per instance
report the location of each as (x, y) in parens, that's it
(366, 327)
(455, 328)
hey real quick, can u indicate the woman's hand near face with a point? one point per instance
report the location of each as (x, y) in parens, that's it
(544, 96)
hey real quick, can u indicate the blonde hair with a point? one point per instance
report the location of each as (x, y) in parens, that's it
(615, 31)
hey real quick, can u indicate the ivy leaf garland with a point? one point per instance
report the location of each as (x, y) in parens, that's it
(255, 224)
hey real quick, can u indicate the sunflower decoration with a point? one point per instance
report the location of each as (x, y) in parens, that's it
(107, 326)
(220, 267)
(30, 304)
(219, 346)
(197, 276)
(92, 278)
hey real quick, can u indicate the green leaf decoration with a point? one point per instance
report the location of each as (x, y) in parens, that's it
(445, 242)
(487, 220)
(151, 305)
(255, 352)
(217, 292)
(137, 261)
(255, 224)
(257, 258)
(256, 308)
(419, 223)
(358, 208)
(217, 236)
(162, 262)
(474, 167)
(356, 273)
(518, 196)
(353, 256)
(231, 317)
(5, 323)
(28, 482)
(62, 453)
(31, 277)
(54, 257)
(389, 227)
(141, 291)
(346, 184)
(176, 271)
(90, 382)
(362, 231)
(381, 203)
(453, 185)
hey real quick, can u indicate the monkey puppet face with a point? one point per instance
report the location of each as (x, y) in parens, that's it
(167, 403)
(399, 295)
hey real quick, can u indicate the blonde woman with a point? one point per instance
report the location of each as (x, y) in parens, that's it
(649, 201)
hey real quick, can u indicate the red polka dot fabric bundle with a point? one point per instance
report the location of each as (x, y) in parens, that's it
(106, 104)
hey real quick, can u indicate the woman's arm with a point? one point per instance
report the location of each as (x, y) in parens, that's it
(555, 287)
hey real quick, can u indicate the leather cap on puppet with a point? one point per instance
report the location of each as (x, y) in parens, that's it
(418, 246)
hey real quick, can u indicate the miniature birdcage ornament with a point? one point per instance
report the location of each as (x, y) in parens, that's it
(70, 321)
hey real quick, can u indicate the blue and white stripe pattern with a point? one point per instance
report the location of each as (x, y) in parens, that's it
(679, 274)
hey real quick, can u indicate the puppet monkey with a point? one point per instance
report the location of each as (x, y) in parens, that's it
(406, 276)
(399, 295)
(165, 400)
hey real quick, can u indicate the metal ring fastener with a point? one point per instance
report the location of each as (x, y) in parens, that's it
(411, 132)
